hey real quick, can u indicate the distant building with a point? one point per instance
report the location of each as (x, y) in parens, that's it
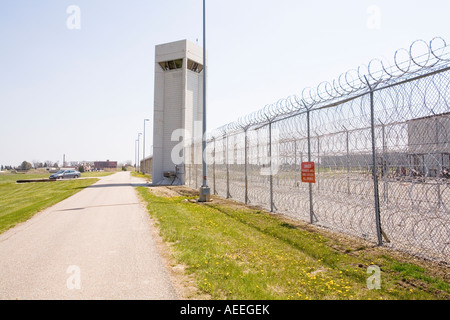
(427, 152)
(102, 165)
(87, 166)
(147, 165)
(429, 144)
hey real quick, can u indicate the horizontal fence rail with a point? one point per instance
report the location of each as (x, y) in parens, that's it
(380, 142)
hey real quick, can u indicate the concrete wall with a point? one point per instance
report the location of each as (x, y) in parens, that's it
(429, 144)
(429, 135)
(147, 165)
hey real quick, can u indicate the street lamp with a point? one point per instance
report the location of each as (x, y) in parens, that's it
(139, 141)
(205, 192)
(143, 169)
(135, 154)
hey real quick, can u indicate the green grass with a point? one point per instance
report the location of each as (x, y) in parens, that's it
(251, 255)
(19, 202)
(140, 175)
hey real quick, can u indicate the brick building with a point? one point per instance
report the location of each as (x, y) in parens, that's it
(102, 165)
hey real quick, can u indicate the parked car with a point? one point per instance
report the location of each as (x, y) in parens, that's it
(66, 174)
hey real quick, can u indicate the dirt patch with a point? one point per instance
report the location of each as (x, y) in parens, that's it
(165, 192)
(185, 191)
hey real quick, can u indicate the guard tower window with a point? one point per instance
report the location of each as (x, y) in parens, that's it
(171, 65)
(194, 66)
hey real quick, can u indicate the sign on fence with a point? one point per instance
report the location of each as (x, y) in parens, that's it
(308, 172)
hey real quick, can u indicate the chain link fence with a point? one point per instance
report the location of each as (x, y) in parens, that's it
(380, 141)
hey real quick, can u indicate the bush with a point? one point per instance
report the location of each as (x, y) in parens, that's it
(26, 166)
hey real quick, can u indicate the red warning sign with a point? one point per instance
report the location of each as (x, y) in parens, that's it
(308, 172)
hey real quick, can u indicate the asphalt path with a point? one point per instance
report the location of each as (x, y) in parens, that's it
(95, 245)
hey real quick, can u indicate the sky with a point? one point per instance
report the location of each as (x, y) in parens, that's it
(82, 85)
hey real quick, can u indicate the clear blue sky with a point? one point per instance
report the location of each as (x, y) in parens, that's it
(85, 93)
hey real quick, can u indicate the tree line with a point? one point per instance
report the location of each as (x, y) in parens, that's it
(25, 165)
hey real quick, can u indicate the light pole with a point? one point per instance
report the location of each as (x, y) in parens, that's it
(135, 155)
(139, 163)
(143, 156)
(205, 192)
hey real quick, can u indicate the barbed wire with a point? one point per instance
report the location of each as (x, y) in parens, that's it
(421, 57)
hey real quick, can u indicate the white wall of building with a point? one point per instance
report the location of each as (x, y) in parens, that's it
(178, 104)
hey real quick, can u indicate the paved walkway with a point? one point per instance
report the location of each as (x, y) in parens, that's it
(96, 244)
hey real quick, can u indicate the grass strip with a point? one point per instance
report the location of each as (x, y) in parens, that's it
(247, 254)
(19, 202)
(141, 175)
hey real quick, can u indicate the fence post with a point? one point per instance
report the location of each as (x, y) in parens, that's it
(245, 165)
(228, 169)
(318, 162)
(270, 164)
(348, 159)
(385, 164)
(311, 208)
(374, 167)
(214, 166)
(257, 148)
(295, 162)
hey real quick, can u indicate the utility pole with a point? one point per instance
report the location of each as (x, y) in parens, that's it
(205, 191)
(135, 155)
(143, 156)
(138, 155)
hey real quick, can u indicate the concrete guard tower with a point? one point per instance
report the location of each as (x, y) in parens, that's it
(178, 105)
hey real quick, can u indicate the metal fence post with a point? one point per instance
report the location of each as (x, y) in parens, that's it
(295, 162)
(318, 161)
(348, 159)
(311, 208)
(245, 165)
(385, 164)
(228, 169)
(257, 148)
(270, 164)
(374, 167)
(214, 166)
